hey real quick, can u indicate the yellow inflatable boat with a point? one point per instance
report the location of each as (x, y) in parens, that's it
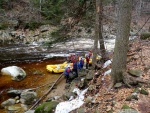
(57, 68)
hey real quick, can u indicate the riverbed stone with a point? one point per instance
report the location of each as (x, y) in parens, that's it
(47, 107)
(14, 93)
(28, 97)
(8, 102)
(13, 108)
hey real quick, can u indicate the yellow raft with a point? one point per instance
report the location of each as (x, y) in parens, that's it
(57, 68)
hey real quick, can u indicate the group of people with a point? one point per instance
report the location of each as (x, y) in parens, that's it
(78, 63)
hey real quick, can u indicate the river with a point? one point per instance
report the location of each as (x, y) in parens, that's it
(32, 60)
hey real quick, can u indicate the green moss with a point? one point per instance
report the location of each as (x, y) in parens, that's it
(145, 36)
(125, 106)
(46, 107)
(143, 91)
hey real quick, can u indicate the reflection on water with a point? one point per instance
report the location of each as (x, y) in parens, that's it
(37, 75)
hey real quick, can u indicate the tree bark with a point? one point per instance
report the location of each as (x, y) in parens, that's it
(121, 44)
(97, 29)
(101, 40)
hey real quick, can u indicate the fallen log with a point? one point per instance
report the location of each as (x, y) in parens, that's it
(46, 93)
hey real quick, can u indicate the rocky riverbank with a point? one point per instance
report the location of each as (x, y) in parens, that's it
(118, 99)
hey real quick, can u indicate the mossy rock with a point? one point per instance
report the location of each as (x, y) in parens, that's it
(143, 91)
(135, 72)
(46, 107)
(125, 106)
(145, 36)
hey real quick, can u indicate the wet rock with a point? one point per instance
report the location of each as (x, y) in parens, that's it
(135, 72)
(53, 98)
(14, 93)
(117, 85)
(8, 102)
(46, 107)
(67, 95)
(28, 97)
(15, 72)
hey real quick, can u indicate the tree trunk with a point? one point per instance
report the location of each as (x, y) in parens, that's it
(121, 44)
(101, 40)
(97, 29)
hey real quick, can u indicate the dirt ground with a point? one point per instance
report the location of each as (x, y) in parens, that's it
(113, 101)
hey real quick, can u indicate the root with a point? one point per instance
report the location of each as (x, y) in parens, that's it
(130, 80)
(110, 86)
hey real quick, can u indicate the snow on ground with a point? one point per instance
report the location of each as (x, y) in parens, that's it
(67, 106)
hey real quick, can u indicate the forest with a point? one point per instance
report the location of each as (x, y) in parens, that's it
(38, 33)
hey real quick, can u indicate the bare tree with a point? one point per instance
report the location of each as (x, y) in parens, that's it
(98, 30)
(121, 44)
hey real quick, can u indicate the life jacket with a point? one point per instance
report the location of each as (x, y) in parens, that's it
(75, 66)
(87, 59)
(81, 62)
(67, 71)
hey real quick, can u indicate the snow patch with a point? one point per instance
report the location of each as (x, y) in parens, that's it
(107, 63)
(107, 72)
(67, 106)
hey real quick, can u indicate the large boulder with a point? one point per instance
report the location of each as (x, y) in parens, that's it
(15, 72)
(28, 97)
(47, 107)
